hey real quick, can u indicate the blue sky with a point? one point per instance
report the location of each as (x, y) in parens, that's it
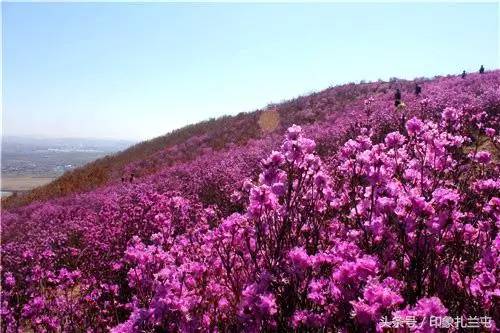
(136, 71)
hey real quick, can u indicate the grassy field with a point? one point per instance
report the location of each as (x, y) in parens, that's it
(10, 184)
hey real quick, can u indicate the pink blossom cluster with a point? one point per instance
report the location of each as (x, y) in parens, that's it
(393, 214)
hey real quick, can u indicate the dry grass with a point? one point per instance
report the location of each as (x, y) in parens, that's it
(23, 183)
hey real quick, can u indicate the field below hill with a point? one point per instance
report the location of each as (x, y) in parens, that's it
(17, 184)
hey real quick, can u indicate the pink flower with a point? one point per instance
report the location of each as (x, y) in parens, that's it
(278, 189)
(293, 132)
(261, 198)
(483, 157)
(414, 126)
(10, 281)
(267, 304)
(450, 114)
(377, 297)
(432, 306)
(321, 179)
(364, 313)
(299, 258)
(394, 139)
(444, 196)
(486, 279)
(306, 145)
(490, 132)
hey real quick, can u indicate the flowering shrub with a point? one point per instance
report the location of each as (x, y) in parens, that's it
(393, 215)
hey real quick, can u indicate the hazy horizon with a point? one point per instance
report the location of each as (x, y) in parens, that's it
(49, 137)
(132, 71)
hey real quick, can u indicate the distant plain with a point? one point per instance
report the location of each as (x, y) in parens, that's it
(29, 162)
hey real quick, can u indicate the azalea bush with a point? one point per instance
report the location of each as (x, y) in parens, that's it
(336, 227)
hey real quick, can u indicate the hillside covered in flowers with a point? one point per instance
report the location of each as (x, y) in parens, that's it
(334, 211)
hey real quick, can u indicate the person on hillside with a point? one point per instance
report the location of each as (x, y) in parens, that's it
(397, 98)
(481, 70)
(463, 75)
(132, 177)
(123, 179)
(418, 89)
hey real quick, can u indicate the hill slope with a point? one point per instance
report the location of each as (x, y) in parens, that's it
(365, 211)
(188, 142)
